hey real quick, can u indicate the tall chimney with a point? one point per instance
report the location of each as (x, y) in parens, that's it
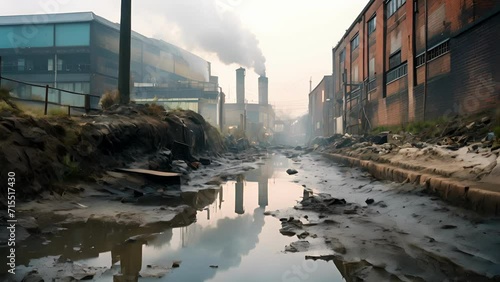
(263, 90)
(240, 86)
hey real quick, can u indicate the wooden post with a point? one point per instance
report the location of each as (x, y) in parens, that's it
(46, 99)
(124, 55)
(87, 104)
(69, 110)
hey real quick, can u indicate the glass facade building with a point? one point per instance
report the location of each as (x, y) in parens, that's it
(79, 52)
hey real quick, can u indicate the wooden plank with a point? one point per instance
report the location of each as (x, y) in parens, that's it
(150, 172)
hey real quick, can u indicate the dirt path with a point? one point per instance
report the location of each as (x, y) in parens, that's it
(404, 234)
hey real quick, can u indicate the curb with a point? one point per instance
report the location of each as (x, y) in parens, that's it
(469, 195)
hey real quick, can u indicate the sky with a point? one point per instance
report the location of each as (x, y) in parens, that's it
(290, 40)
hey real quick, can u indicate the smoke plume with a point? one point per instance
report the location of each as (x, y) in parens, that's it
(212, 26)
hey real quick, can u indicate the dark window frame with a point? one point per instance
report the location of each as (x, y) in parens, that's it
(372, 24)
(355, 42)
(395, 59)
(392, 6)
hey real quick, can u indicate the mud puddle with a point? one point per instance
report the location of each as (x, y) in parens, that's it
(230, 239)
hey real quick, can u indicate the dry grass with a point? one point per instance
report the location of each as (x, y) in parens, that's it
(109, 99)
(156, 110)
(4, 94)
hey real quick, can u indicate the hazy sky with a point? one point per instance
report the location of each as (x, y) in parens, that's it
(293, 38)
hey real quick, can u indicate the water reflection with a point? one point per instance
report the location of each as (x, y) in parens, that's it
(236, 237)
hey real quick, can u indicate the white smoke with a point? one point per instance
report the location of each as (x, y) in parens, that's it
(212, 26)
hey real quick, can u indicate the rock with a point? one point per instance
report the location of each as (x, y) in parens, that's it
(448, 226)
(298, 148)
(214, 266)
(369, 201)
(194, 165)
(291, 171)
(380, 139)
(30, 224)
(205, 161)
(303, 235)
(299, 246)
(32, 276)
(267, 213)
(176, 264)
(490, 137)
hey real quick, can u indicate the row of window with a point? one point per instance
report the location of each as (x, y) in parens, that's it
(32, 36)
(393, 6)
(433, 53)
(73, 63)
(397, 73)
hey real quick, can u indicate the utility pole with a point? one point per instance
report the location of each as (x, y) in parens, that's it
(124, 61)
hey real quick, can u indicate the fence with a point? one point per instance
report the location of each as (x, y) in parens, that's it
(47, 95)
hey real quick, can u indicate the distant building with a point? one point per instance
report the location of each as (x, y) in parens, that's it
(257, 120)
(79, 52)
(402, 61)
(320, 112)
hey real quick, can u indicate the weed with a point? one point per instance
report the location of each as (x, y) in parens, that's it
(72, 169)
(58, 112)
(109, 99)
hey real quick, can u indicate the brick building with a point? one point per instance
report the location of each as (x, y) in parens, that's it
(319, 112)
(410, 60)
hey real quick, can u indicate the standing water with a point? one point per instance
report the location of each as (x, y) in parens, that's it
(230, 240)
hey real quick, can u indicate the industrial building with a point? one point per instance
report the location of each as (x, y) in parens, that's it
(257, 120)
(402, 61)
(79, 52)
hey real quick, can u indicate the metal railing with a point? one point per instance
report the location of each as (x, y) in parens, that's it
(52, 96)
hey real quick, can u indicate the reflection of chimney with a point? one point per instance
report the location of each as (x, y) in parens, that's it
(263, 193)
(263, 90)
(240, 86)
(238, 201)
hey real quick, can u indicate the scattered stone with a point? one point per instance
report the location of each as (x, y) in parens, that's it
(176, 264)
(205, 161)
(369, 201)
(303, 235)
(299, 246)
(32, 276)
(448, 226)
(214, 266)
(291, 171)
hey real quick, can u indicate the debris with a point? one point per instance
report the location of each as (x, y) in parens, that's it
(369, 201)
(291, 171)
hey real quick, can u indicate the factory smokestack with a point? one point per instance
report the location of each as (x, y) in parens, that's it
(240, 86)
(263, 90)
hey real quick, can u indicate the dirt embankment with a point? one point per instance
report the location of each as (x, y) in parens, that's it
(458, 159)
(45, 151)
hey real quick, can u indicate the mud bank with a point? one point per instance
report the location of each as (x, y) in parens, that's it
(480, 197)
(43, 152)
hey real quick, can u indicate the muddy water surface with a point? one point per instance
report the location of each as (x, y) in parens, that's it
(229, 240)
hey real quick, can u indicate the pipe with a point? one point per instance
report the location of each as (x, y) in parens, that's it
(425, 56)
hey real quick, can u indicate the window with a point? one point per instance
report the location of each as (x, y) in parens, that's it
(50, 64)
(59, 64)
(77, 34)
(395, 59)
(26, 36)
(397, 73)
(433, 53)
(342, 56)
(355, 42)
(393, 6)
(372, 25)
(21, 64)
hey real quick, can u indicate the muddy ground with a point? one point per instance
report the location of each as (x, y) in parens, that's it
(371, 230)
(378, 231)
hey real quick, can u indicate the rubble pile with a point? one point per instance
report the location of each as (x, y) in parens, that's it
(462, 148)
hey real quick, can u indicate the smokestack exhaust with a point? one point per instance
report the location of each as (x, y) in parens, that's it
(263, 90)
(240, 86)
